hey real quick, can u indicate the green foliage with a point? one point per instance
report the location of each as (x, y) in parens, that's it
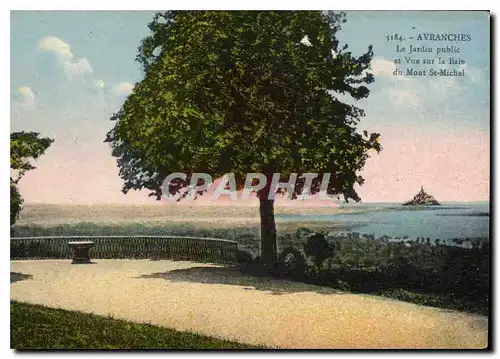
(244, 257)
(16, 202)
(303, 233)
(39, 327)
(443, 276)
(244, 235)
(236, 91)
(360, 252)
(24, 147)
(319, 249)
(292, 263)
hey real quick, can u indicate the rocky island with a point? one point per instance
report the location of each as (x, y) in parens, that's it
(422, 199)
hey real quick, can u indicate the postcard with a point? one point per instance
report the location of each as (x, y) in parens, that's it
(251, 180)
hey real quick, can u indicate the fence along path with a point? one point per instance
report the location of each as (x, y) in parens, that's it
(199, 249)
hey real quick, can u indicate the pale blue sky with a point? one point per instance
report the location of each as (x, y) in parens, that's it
(71, 70)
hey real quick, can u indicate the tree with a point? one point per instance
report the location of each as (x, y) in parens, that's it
(318, 247)
(16, 202)
(245, 92)
(24, 147)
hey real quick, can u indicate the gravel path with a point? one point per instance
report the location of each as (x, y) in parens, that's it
(222, 302)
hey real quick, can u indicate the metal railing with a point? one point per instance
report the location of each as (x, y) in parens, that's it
(199, 249)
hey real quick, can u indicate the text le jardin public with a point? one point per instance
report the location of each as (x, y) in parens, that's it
(430, 58)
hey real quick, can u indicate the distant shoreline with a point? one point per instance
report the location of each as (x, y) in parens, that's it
(285, 203)
(50, 214)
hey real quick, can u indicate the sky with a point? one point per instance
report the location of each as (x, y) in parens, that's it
(70, 71)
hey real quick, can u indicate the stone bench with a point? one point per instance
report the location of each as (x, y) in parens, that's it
(81, 251)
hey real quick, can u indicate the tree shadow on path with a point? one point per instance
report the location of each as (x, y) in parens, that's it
(16, 277)
(232, 276)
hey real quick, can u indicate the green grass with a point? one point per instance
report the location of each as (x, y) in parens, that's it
(39, 327)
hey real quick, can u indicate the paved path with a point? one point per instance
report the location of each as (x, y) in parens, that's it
(223, 303)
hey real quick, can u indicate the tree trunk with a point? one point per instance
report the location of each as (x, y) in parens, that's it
(268, 240)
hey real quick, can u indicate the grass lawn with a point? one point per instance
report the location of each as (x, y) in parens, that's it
(40, 327)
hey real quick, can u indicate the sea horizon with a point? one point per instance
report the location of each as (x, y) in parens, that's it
(229, 203)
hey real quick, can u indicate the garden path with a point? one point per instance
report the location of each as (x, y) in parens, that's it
(224, 303)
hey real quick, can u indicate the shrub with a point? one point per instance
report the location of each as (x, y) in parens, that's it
(244, 257)
(292, 263)
(303, 233)
(319, 249)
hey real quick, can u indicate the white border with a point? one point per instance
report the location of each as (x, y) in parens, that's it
(151, 5)
(254, 5)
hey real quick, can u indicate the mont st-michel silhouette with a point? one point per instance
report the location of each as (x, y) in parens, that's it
(422, 199)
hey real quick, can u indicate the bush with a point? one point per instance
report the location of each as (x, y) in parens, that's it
(319, 249)
(247, 263)
(303, 233)
(420, 272)
(292, 263)
(244, 257)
